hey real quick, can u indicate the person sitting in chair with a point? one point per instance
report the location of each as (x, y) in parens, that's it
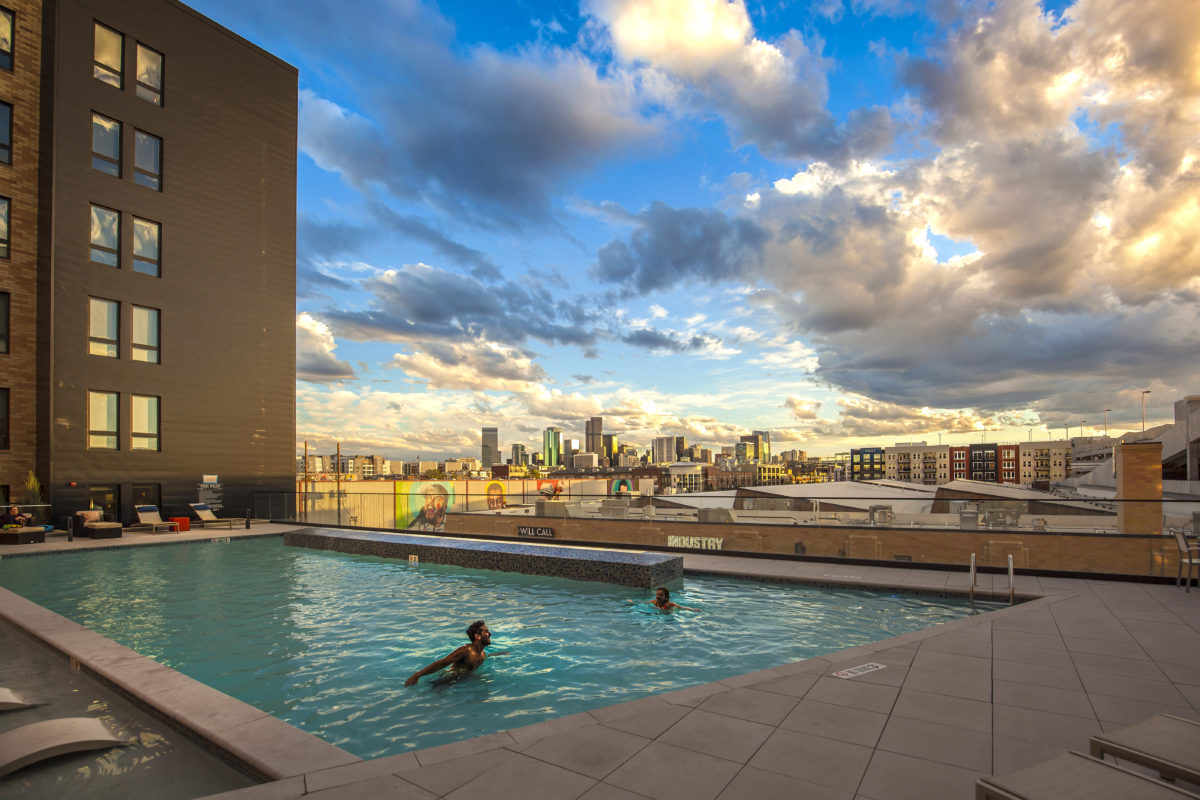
(14, 518)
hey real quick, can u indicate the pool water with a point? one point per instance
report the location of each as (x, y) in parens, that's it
(325, 640)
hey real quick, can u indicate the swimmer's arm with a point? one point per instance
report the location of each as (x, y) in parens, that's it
(674, 606)
(440, 664)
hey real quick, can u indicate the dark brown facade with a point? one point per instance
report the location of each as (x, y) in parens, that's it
(180, 236)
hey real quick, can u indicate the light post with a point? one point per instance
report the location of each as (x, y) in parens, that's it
(1081, 428)
(1144, 393)
(1106, 422)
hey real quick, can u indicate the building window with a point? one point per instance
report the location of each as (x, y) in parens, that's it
(5, 206)
(145, 334)
(146, 237)
(149, 74)
(108, 56)
(106, 236)
(5, 300)
(104, 322)
(144, 415)
(147, 494)
(4, 419)
(103, 413)
(106, 145)
(6, 38)
(5, 133)
(147, 160)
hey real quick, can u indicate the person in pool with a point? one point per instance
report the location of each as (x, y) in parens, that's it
(467, 657)
(662, 601)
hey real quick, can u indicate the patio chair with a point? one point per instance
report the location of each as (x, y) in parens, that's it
(1075, 776)
(1168, 744)
(1188, 554)
(150, 519)
(36, 741)
(207, 517)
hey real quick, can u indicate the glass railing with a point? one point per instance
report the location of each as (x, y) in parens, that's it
(1060, 532)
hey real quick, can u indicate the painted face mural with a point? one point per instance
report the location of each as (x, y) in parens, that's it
(495, 496)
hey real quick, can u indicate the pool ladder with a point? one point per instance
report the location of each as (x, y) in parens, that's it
(1011, 579)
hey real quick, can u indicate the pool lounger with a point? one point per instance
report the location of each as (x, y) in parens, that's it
(10, 700)
(1165, 743)
(53, 737)
(207, 517)
(1075, 776)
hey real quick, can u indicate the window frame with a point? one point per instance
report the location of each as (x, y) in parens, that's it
(5, 419)
(153, 436)
(104, 158)
(99, 66)
(142, 89)
(6, 134)
(5, 321)
(144, 177)
(94, 248)
(135, 347)
(5, 227)
(94, 341)
(93, 432)
(142, 260)
(7, 58)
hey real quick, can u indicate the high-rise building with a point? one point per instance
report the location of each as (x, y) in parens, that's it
(593, 440)
(663, 450)
(518, 455)
(764, 438)
(490, 450)
(610, 446)
(552, 444)
(753, 447)
(148, 158)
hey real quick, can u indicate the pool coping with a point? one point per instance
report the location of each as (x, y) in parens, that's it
(271, 749)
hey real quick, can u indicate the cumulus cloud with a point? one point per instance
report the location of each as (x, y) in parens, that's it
(673, 245)
(422, 303)
(495, 137)
(802, 407)
(771, 94)
(479, 366)
(315, 359)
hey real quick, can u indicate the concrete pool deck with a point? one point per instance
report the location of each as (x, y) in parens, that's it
(983, 695)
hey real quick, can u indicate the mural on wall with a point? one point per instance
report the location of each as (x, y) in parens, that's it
(496, 495)
(621, 486)
(425, 505)
(549, 489)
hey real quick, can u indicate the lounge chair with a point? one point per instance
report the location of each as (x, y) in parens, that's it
(207, 517)
(36, 741)
(149, 518)
(1075, 776)
(1165, 743)
(10, 701)
(1189, 554)
(91, 524)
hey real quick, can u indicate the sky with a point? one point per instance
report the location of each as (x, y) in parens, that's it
(848, 222)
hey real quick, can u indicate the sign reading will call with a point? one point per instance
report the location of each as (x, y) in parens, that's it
(541, 533)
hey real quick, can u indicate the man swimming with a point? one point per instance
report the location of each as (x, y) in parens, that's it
(467, 657)
(662, 601)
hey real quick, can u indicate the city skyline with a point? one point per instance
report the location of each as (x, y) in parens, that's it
(839, 222)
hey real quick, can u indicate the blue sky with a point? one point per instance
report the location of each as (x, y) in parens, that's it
(848, 222)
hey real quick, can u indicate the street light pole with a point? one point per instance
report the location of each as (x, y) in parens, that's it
(1144, 393)
(1106, 421)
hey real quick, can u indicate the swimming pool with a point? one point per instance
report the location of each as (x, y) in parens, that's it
(325, 640)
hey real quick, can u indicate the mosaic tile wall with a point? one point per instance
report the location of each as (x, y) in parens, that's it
(644, 570)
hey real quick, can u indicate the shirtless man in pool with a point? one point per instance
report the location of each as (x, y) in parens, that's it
(467, 657)
(662, 601)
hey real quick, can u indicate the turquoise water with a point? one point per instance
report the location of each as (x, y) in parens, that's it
(326, 640)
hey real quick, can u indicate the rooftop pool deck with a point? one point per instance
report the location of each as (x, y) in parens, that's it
(983, 695)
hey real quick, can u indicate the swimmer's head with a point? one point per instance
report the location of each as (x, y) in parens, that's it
(479, 629)
(662, 594)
